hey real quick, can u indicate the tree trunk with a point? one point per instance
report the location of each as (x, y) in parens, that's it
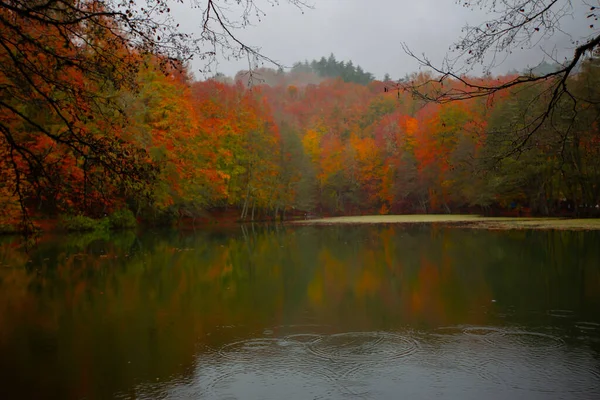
(245, 207)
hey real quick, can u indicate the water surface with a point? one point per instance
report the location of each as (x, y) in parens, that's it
(331, 312)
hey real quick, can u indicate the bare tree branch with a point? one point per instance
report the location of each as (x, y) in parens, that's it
(519, 24)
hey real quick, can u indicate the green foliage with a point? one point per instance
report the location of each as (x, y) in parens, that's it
(331, 147)
(81, 223)
(161, 218)
(558, 161)
(8, 229)
(331, 68)
(79, 241)
(122, 219)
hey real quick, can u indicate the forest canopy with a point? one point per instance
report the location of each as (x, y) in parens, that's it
(518, 26)
(101, 114)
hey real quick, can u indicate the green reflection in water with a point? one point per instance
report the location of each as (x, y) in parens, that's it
(89, 316)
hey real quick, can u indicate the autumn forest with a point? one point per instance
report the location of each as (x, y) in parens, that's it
(92, 126)
(339, 200)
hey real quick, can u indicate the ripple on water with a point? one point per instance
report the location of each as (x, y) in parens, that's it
(482, 331)
(587, 326)
(589, 331)
(561, 313)
(497, 347)
(321, 366)
(524, 340)
(235, 381)
(303, 337)
(363, 347)
(279, 365)
(265, 348)
(553, 372)
(452, 353)
(533, 361)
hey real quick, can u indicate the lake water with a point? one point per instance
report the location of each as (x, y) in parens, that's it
(307, 312)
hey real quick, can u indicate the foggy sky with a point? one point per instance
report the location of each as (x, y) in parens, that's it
(370, 33)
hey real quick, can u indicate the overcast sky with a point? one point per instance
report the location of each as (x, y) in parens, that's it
(370, 33)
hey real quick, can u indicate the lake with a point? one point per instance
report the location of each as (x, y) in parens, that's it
(302, 312)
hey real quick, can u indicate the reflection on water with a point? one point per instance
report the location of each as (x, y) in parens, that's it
(383, 365)
(370, 312)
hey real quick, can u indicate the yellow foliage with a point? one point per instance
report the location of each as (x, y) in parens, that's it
(312, 144)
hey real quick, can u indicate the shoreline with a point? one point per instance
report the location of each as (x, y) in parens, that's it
(470, 221)
(465, 221)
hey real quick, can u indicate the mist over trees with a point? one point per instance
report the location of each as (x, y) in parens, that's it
(517, 26)
(70, 73)
(332, 148)
(305, 72)
(331, 68)
(100, 115)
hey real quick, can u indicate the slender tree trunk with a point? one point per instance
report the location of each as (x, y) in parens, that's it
(244, 210)
(245, 207)
(448, 210)
(84, 184)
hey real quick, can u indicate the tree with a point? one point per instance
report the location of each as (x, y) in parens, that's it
(64, 67)
(518, 25)
(349, 148)
(330, 68)
(167, 125)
